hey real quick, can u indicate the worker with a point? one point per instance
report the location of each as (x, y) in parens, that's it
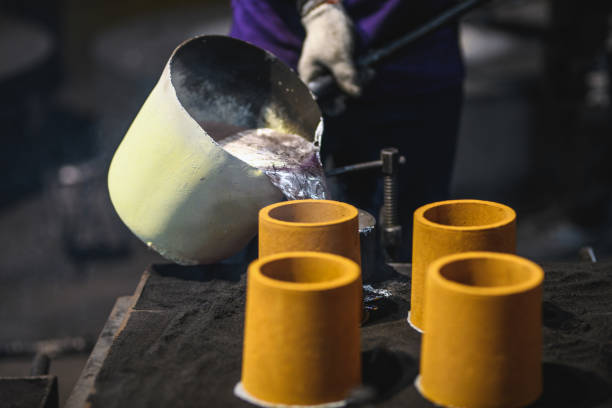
(413, 102)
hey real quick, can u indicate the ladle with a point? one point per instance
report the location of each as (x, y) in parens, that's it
(171, 182)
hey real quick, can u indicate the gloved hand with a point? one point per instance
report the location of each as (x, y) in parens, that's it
(329, 47)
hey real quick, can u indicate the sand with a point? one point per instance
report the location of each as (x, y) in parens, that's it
(182, 344)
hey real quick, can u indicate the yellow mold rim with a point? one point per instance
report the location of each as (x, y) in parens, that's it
(454, 226)
(482, 347)
(310, 225)
(301, 336)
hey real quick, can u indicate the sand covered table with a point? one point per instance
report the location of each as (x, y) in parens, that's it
(178, 341)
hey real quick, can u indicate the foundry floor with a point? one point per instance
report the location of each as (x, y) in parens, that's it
(66, 256)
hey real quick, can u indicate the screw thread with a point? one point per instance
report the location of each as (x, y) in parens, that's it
(390, 197)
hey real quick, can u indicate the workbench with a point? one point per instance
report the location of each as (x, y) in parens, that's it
(177, 342)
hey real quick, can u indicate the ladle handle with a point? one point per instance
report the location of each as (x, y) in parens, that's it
(439, 20)
(324, 87)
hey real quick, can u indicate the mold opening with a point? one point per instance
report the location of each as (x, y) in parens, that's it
(311, 212)
(486, 272)
(229, 86)
(304, 270)
(467, 214)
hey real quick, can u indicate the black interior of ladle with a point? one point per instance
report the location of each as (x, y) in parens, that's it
(228, 85)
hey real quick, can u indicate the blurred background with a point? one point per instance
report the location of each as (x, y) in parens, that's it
(535, 134)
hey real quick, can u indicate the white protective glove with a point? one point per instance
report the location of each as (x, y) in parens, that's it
(328, 46)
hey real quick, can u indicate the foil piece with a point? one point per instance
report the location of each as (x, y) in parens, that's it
(292, 163)
(302, 181)
(371, 296)
(366, 230)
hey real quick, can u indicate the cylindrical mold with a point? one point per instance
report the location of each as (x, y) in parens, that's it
(301, 335)
(453, 226)
(483, 344)
(310, 225)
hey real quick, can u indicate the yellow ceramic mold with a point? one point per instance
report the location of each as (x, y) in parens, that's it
(482, 347)
(453, 226)
(301, 335)
(310, 225)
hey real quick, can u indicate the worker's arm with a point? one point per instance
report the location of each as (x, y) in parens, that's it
(329, 44)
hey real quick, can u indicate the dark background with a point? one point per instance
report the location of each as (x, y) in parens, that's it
(535, 134)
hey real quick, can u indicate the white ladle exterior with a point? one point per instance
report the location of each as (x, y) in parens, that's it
(177, 189)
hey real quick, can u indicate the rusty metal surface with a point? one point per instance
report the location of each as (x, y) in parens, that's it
(85, 383)
(181, 344)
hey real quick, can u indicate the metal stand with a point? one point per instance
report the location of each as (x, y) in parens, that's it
(391, 230)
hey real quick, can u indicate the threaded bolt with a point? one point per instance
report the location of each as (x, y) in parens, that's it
(390, 160)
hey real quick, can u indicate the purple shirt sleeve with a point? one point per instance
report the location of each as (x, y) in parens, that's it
(431, 64)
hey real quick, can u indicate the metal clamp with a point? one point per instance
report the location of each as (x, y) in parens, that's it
(391, 230)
